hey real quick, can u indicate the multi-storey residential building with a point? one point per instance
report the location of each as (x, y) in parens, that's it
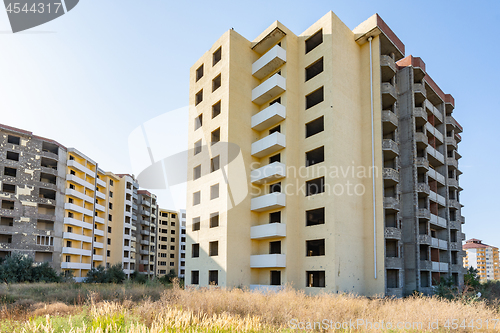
(146, 232)
(182, 244)
(167, 251)
(482, 257)
(342, 142)
(32, 176)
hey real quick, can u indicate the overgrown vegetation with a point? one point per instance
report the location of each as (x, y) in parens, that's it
(19, 268)
(114, 274)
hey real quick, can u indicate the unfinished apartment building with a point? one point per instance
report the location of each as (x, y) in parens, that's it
(347, 151)
(146, 232)
(32, 176)
(167, 252)
(182, 244)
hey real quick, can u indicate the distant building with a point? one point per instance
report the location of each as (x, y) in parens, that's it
(167, 252)
(482, 257)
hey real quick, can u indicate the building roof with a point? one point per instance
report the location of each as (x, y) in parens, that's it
(28, 133)
(475, 243)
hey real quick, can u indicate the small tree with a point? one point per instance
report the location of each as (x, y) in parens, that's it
(471, 279)
(96, 275)
(116, 274)
(21, 268)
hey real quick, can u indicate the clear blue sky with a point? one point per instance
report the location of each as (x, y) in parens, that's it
(106, 67)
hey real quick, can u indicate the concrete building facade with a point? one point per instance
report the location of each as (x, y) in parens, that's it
(167, 252)
(182, 243)
(146, 232)
(323, 131)
(482, 257)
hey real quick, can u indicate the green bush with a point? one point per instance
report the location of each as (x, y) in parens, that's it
(138, 277)
(114, 274)
(168, 278)
(21, 268)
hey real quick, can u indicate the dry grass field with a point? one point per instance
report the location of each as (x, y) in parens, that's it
(153, 308)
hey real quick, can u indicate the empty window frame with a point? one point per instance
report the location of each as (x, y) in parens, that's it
(197, 172)
(11, 172)
(8, 188)
(215, 137)
(315, 279)
(198, 98)
(213, 248)
(197, 147)
(7, 204)
(15, 140)
(216, 82)
(276, 187)
(314, 127)
(217, 56)
(315, 186)
(196, 198)
(195, 250)
(214, 191)
(315, 216)
(315, 98)
(214, 220)
(275, 217)
(195, 277)
(314, 69)
(275, 129)
(277, 100)
(7, 221)
(12, 156)
(215, 163)
(275, 247)
(213, 278)
(315, 248)
(199, 72)
(275, 278)
(216, 109)
(275, 158)
(313, 41)
(196, 223)
(198, 122)
(315, 156)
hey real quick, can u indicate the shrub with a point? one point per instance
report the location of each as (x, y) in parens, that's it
(21, 268)
(114, 274)
(138, 277)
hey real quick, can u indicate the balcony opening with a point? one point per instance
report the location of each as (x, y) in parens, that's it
(198, 122)
(315, 98)
(424, 252)
(47, 194)
(217, 56)
(216, 82)
(214, 220)
(7, 221)
(453, 215)
(315, 186)
(275, 278)
(422, 228)
(49, 163)
(197, 147)
(424, 279)
(196, 198)
(213, 249)
(314, 127)
(275, 129)
(453, 236)
(313, 41)
(315, 248)
(15, 140)
(391, 221)
(314, 69)
(195, 277)
(215, 163)
(277, 100)
(275, 188)
(275, 158)
(11, 172)
(275, 247)
(315, 279)
(196, 224)
(216, 109)
(7, 204)
(436, 278)
(421, 178)
(197, 172)
(315, 156)
(7, 239)
(50, 148)
(198, 97)
(9, 188)
(199, 73)
(391, 248)
(195, 250)
(454, 258)
(213, 278)
(315, 216)
(392, 278)
(12, 156)
(215, 136)
(214, 191)
(47, 178)
(275, 217)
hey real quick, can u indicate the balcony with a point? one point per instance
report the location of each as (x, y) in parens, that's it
(388, 67)
(421, 140)
(78, 209)
(146, 203)
(144, 242)
(456, 225)
(268, 145)
(145, 232)
(436, 176)
(389, 121)
(424, 239)
(145, 222)
(420, 115)
(101, 183)
(266, 231)
(268, 202)
(77, 223)
(393, 263)
(100, 208)
(80, 167)
(74, 265)
(437, 198)
(461, 219)
(451, 161)
(422, 163)
(420, 93)
(269, 89)
(77, 237)
(439, 243)
(145, 212)
(434, 156)
(98, 232)
(144, 252)
(450, 141)
(432, 130)
(440, 266)
(144, 262)
(439, 221)
(456, 126)
(268, 261)
(391, 204)
(389, 95)
(390, 148)
(75, 251)
(268, 173)
(391, 176)
(269, 62)
(265, 288)
(423, 188)
(75, 179)
(268, 117)
(392, 233)
(78, 195)
(457, 246)
(98, 245)
(423, 213)
(425, 265)
(100, 195)
(98, 219)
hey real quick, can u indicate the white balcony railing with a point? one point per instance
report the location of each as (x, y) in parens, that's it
(265, 231)
(269, 89)
(268, 145)
(268, 173)
(268, 202)
(268, 117)
(269, 62)
(268, 260)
